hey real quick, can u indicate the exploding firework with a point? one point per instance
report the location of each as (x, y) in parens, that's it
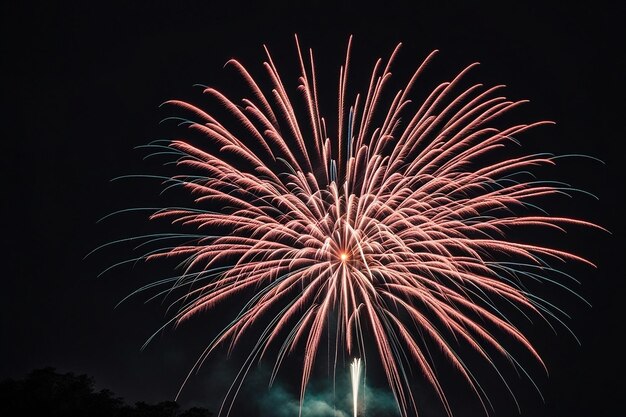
(392, 220)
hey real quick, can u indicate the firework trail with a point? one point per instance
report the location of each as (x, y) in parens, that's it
(355, 375)
(392, 225)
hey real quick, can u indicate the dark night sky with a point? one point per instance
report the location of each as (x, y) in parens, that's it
(82, 84)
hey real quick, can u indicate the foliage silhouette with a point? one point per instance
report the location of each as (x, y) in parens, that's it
(46, 392)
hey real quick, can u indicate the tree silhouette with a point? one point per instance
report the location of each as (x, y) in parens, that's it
(45, 392)
(196, 412)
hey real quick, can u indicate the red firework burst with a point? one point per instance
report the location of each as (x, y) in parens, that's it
(393, 225)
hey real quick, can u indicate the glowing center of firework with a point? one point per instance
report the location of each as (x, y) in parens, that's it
(343, 256)
(355, 372)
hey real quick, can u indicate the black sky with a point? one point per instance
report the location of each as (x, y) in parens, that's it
(82, 84)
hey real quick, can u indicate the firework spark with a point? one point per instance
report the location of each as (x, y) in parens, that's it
(391, 226)
(355, 376)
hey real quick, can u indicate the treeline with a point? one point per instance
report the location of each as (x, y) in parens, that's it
(45, 392)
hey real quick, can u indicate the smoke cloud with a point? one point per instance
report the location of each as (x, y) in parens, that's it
(322, 401)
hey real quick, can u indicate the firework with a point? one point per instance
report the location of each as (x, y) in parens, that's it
(355, 375)
(392, 224)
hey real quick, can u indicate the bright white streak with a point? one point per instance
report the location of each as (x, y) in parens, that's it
(355, 372)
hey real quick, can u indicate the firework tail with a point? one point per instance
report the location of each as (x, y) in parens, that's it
(355, 376)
